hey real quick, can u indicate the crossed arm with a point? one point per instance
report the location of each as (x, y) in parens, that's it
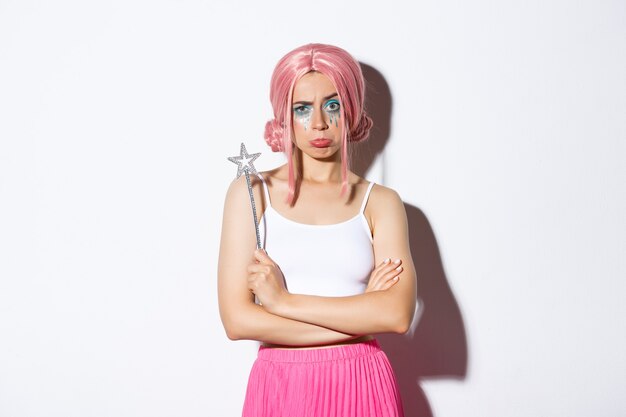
(306, 319)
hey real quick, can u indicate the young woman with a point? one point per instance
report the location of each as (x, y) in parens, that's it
(336, 267)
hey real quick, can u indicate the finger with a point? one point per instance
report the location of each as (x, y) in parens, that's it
(386, 283)
(386, 268)
(380, 269)
(391, 282)
(389, 263)
(388, 275)
(393, 273)
(262, 256)
(258, 275)
(396, 262)
(260, 267)
(386, 262)
(377, 274)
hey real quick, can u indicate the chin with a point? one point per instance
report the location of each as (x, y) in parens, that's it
(325, 153)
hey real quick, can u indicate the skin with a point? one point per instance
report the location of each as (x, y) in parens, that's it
(287, 320)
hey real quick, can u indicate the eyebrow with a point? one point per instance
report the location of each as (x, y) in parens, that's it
(310, 102)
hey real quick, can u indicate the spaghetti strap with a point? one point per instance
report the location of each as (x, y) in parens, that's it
(367, 194)
(267, 193)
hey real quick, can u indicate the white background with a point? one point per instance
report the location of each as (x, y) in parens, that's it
(500, 123)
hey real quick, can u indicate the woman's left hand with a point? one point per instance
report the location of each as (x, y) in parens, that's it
(266, 281)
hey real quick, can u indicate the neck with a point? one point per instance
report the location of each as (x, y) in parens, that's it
(319, 170)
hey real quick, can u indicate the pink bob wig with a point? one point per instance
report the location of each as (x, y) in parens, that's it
(345, 74)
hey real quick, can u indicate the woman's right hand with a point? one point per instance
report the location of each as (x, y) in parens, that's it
(384, 275)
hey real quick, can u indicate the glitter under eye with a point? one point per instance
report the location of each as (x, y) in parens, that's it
(301, 110)
(302, 114)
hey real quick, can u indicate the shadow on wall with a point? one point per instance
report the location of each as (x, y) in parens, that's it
(436, 346)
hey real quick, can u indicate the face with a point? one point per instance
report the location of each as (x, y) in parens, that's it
(317, 124)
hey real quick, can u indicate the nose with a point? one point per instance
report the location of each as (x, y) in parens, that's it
(318, 120)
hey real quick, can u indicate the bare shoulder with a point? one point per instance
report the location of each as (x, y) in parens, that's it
(237, 195)
(385, 205)
(382, 196)
(238, 188)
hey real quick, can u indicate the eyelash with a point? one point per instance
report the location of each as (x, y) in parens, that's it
(300, 110)
(330, 103)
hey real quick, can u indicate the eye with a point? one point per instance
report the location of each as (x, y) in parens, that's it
(301, 110)
(332, 105)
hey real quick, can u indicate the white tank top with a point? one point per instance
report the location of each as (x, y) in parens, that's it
(341, 255)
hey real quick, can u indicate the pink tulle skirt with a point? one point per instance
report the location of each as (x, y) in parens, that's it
(354, 380)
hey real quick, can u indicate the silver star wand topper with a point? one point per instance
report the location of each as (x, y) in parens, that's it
(244, 164)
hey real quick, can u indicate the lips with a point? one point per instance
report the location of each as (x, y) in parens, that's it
(321, 143)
